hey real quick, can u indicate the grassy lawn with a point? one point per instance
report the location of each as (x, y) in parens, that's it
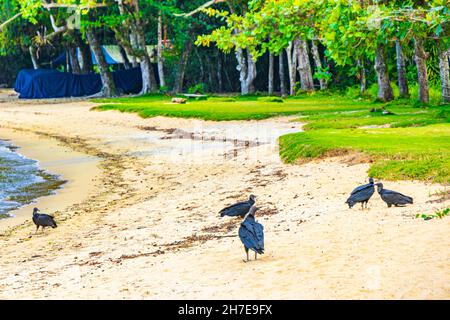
(400, 153)
(414, 142)
(232, 108)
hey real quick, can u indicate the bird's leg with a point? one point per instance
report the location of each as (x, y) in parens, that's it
(256, 258)
(246, 252)
(362, 205)
(37, 228)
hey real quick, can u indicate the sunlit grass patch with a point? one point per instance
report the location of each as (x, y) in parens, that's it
(400, 153)
(230, 108)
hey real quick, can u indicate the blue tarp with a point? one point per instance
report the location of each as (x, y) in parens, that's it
(62, 58)
(48, 83)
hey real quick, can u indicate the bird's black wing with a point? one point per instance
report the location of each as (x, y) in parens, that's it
(364, 186)
(397, 197)
(259, 232)
(46, 221)
(237, 209)
(251, 234)
(362, 195)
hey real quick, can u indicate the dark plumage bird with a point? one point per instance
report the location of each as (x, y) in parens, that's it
(43, 220)
(251, 233)
(392, 197)
(238, 209)
(361, 194)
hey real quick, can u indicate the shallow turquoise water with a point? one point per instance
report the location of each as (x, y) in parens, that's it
(21, 180)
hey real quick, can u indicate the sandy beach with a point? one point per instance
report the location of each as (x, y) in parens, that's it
(139, 215)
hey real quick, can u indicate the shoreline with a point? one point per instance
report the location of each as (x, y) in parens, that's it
(74, 167)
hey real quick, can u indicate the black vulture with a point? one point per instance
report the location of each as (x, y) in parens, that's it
(392, 197)
(251, 233)
(361, 194)
(238, 209)
(42, 220)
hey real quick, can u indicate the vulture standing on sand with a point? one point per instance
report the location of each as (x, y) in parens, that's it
(361, 194)
(251, 233)
(392, 197)
(42, 220)
(238, 209)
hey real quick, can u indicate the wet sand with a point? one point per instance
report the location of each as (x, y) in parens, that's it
(149, 227)
(77, 169)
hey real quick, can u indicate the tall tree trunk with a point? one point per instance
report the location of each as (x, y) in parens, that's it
(227, 76)
(304, 67)
(270, 80)
(85, 58)
(132, 38)
(126, 36)
(210, 72)
(385, 92)
(281, 73)
(247, 71)
(401, 71)
(148, 75)
(318, 63)
(291, 52)
(219, 72)
(123, 54)
(420, 57)
(362, 76)
(200, 63)
(251, 72)
(33, 56)
(444, 70)
(109, 87)
(179, 80)
(126, 48)
(162, 81)
(134, 44)
(74, 63)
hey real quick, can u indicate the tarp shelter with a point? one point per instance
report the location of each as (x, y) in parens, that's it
(62, 58)
(49, 83)
(111, 52)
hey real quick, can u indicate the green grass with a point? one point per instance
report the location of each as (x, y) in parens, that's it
(404, 116)
(438, 214)
(230, 108)
(413, 144)
(400, 153)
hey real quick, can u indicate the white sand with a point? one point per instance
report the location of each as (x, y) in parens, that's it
(150, 227)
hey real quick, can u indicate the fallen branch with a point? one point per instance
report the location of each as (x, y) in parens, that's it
(73, 6)
(4, 24)
(203, 6)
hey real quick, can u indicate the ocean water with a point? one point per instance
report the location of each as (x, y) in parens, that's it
(22, 181)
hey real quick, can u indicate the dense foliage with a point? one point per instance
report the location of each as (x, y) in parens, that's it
(246, 45)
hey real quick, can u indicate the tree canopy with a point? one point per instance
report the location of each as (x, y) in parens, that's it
(340, 42)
